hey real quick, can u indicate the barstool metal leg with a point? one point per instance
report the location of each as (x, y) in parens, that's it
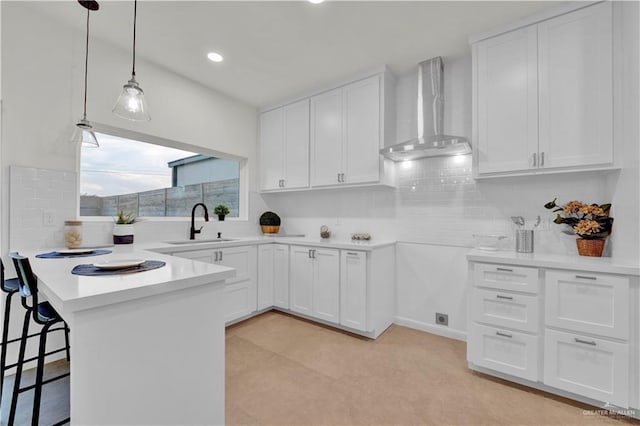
(39, 375)
(66, 341)
(5, 338)
(18, 376)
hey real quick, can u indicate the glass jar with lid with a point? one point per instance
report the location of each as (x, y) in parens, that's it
(72, 233)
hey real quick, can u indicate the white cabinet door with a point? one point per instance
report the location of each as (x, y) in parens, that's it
(326, 284)
(507, 101)
(200, 255)
(353, 290)
(281, 275)
(301, 280)
(361, 154)
(588, 303)
(271, 149)
(266, 275)
(576, 86)
(296, 145)
(240, 293)
(506, 351)
(326, 138)
(595, 368)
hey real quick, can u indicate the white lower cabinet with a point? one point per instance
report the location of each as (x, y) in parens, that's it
(585, 365)
(505, 350)
(575, 337)
(240, 292)
(315, 282)
(281, 276)
(353, 289)
(266, 273)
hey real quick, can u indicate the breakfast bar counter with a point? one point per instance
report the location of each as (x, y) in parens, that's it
(146, 347)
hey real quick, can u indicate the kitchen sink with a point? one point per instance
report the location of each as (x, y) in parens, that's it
(213, 240)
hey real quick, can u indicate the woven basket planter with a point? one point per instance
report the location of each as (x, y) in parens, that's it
(592, 247)
(266, 229)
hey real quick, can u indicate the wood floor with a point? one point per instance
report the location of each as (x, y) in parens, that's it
(285, 371)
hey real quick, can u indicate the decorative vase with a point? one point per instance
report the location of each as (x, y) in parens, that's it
(123, 234)
(590, 247)
(221, 217)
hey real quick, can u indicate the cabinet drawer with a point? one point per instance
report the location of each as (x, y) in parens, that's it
(506, 351)
(506, 277)
(587, 366)
(504, 309)
(588, 303)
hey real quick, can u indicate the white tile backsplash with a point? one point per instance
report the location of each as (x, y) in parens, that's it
(32, 193)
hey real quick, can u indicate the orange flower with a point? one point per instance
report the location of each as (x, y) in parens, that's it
(591, 211)
(587, 227)
(573, 207)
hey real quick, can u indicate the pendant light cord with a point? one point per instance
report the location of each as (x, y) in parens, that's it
(135, 13)
(86, 67)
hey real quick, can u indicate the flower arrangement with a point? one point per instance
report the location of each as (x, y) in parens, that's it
(124, 218)
(589, 221)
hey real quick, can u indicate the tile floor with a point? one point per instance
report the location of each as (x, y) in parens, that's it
(283, 370)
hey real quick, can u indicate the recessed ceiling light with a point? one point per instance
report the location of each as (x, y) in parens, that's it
(215, 57)
(316, 1)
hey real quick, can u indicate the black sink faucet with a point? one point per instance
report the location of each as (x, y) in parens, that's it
(193, 231)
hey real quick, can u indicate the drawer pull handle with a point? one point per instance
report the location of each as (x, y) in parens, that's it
(350, 253)
(585, 342)
(499, 333)
(585, 277)
(499, 296)
(504, 270)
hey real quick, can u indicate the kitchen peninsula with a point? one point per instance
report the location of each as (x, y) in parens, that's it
(146, 348)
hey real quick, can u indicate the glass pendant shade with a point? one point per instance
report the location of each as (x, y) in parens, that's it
(84, 135)
(131, 104)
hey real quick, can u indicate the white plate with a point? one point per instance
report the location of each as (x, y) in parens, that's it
(75, 251)
(118, 264)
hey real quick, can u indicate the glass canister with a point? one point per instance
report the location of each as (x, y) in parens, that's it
(72, 233)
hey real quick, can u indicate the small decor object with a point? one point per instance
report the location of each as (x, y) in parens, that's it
(72, 234)
(269, 223)
(360, 236)
(123, 228)
(221, 210)
(590, 222)
(488, 242)
(324, 232)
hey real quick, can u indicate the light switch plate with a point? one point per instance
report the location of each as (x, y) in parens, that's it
(48, 218)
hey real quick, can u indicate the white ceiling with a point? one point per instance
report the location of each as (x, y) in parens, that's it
(275, 50)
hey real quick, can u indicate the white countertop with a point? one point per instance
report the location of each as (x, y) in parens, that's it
(68, 292)
(166, 247)
(557, 261)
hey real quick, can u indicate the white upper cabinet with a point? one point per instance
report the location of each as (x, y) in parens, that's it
(284, 147)
(576, 90)
(345, 134)
(507, 101)
(330, 139)
(326, 138)
(543, 95)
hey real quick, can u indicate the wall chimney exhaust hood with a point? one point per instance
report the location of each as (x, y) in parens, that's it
(431, 142)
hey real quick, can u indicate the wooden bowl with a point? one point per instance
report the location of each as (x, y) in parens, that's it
(267, 229)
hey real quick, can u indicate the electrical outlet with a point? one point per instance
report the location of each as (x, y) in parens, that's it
(48, 218)
(442, 319)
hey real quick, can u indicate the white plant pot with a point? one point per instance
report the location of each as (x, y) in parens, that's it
(123, 234)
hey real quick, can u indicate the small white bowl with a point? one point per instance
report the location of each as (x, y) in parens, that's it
(488, 242)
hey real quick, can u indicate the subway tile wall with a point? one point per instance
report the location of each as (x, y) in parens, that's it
(39, 203)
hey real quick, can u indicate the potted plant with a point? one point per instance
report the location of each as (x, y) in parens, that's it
(123, 228)
(221, 210)
(590, 222)
(270, 223)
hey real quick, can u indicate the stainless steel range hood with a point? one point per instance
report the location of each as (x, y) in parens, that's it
(431, 142)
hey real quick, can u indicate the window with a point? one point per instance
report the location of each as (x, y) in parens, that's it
(150, 180)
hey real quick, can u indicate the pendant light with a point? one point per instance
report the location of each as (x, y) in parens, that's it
(83, 133)
(131, 104)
